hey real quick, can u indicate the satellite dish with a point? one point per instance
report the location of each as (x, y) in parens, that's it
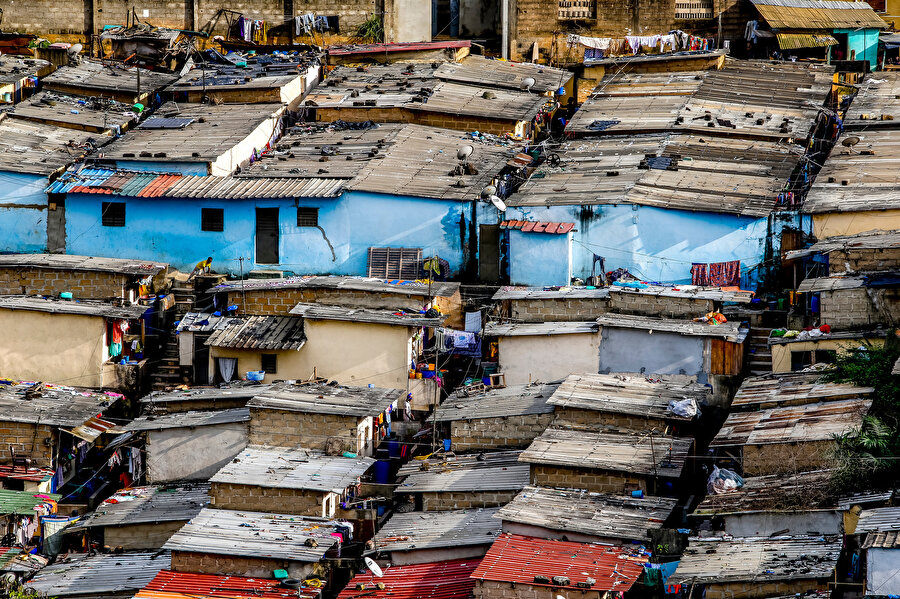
(849, 142)
(464, 152)
(498, 203)
(488, 191)
(528, 83)
(75, 49)
(375, 568)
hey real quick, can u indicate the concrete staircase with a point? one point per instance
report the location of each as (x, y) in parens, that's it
(759, 356)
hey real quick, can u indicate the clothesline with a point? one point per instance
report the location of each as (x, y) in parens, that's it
(601, 47)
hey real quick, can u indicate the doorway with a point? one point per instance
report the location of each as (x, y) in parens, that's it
(267, 236)
(489, 253)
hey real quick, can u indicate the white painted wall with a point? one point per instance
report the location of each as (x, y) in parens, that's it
(883, 572)
(193, 453)
(547, 357)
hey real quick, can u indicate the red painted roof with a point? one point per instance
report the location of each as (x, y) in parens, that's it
(531, 226)
(183, 585)
(514, 558)
(350, 49)
(438, 580)
(30, 474)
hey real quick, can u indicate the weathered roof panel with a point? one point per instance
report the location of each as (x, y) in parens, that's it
(516, 400)
(730, 331)
(97, 575)
(189, 419)
(365, 315)
(279, 333)
(799, 492)
(479, 70)
(794, 388)
(82, 263)
(448, 579)
(76, 307)
(374, 285)
(148, 505)
(516, 329)
(818, 14)
(412, 531)
(489, 471)
(327, 399)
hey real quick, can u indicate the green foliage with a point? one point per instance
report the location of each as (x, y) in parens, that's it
(869, 457)
(14, 590)
(371, 31)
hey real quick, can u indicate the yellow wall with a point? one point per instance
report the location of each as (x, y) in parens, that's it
(851, 223)
(781, 353)
(58, 348)
(351, 353)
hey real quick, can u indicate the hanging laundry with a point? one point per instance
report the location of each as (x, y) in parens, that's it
(725, 274)
(698, 275)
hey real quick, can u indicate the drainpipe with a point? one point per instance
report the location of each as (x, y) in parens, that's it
(504, 24)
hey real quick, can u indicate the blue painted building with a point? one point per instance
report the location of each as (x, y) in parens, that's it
(654, 205)
(293, 211)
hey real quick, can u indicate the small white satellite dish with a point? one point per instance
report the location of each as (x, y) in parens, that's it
(488, 191)
(528, 83)
(464, 152)
(498, 203)
(375, 568)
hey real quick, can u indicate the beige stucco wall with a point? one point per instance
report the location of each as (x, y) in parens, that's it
(781, 353)
(349, 352)
(59, 348)
(547, 357)
(851, 223)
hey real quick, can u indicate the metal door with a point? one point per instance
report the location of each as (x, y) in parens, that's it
(267, 235)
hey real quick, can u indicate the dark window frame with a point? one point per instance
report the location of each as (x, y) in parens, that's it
(210, 223)
(307, 216)
(268, 368)
(109, 216)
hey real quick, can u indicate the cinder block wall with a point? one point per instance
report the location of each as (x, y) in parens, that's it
(490, 589)
(82, 284)
(585, 478)
(758, 589)
(565, 310)
(498, 433)
(654, 305)
(140, 536)
(207, 563)
(840, 262)
(591, 420)
(252, 498)
(442, 502)
(26, 439)
(860, 308)
(281, 428)
(784, 458)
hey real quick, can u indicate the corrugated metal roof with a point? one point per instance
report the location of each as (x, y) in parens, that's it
(730, 331)
(792, 388)
(260, 332)
(632, 394)
(775, 493)
(596, 514)
(870, 240)
(102, 76)
(99, 574)
(660, 456)
(882, 519)
(518, 559)
(282, 468)
(836, 283)
(882, 540)
(189, 419)
(795, 41)
(380, 286)
(848, 335)
(92, 428)
(792, 424)
(254, 534)
(519, 329)
(327, 399)
(242, 390)
(365, 315)
(521, 293)
(82, 263)
(413, 531)
(488, 471)
(54, 405)
(818, 14)
(148, 505)
(22, 502)
(186, 585)
(16, 559)
(43, 149)
(479, 70)
(450, 579)
(382, 48)
(876, 498)
(876, 96)
(707, 561)
(62, 306)
(517, 400)
(16, 68)
(715, 294)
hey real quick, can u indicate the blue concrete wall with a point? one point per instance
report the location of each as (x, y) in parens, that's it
(147, 166)
(540, 258)
(864, 42)
(169, 230)
(23, 213)
(637, 350)
(654, 244)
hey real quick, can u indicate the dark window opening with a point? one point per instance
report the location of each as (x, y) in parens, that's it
(212, 219)
(269, 363)
(113, 214)
(307, 217)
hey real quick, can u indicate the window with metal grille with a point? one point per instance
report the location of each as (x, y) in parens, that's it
(693, 9)
(212, 219)
(572, 10)
(269, 363)
(395, 263)
(113, 214)
(307, 217)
